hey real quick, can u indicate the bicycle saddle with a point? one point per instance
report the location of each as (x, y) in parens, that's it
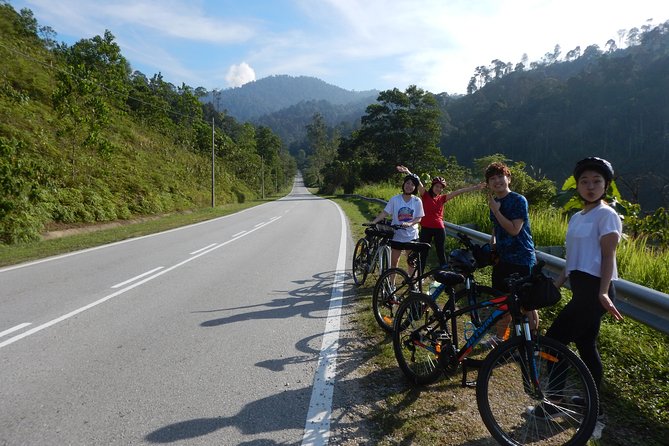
(448, 278)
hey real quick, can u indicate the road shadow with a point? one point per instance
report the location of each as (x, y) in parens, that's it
(312, 296)
(288, 411)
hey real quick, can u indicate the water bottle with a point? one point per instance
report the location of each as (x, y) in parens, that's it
(433, 287)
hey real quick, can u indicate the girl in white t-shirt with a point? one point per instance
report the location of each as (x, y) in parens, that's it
(406, 210)
(592, 237)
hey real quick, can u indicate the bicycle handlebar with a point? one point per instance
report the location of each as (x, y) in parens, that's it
(386, 224)
(465, 240)
(516, 281)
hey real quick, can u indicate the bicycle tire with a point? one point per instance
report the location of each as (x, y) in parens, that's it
(360, 265)
(385, 260)
(416, 339)
(504, 402)
(391, 289)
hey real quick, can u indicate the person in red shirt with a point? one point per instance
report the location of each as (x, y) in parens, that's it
(432, 224)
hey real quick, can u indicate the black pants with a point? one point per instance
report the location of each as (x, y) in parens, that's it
(439, 236)
(580, 319)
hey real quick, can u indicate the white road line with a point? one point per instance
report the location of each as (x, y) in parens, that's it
(119, 285)
(115, 294)
(13, 329)
(239, 234)
(258, 224)
(202, 249)
(317, 426)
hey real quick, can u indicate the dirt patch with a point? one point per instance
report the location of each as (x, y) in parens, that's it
(58, 230)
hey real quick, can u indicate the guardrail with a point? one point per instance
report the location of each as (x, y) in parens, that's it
(646, 305)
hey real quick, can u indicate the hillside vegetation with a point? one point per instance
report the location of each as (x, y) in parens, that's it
(84, 139)
(610, 102)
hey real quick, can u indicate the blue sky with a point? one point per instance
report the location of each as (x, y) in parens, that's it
(354, 44)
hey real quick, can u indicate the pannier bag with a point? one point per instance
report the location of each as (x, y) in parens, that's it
(540, 292)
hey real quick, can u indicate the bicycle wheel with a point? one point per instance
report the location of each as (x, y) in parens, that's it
(562, 412)
(392, 287)
(360, 262)
(416, 339)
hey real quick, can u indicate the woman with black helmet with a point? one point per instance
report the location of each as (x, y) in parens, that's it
(592, 237)
(406, 210)
(432, 225)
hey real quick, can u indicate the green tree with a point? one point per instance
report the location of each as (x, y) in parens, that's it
(95, 79)
(322, 150)
(402, 128)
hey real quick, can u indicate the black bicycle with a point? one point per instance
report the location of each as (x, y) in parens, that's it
(528, 390)
(395, 284)
(372, 252)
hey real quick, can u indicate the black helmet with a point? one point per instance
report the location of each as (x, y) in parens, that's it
(597, 164)
(414, 179)
(462, 260)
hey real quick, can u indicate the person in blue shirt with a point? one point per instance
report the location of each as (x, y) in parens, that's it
(511, 237)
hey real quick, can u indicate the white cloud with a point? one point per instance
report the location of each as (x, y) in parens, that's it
(173, 18)
(239, 75)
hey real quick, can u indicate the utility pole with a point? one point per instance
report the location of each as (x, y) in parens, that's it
(262, 176)
(213, 142)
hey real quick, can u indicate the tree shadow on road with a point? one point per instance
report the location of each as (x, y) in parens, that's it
(313, 296)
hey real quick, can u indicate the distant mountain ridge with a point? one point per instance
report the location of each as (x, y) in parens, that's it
(271, 94)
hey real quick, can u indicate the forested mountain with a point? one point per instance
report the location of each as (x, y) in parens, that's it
(613, 104)
(290, 123)
(273, 93)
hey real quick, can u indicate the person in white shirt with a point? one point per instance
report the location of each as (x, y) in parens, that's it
(405, 209)
(592, 237)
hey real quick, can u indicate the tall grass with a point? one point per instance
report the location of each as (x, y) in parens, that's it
(470, 209)
(381, 190)
(642, 263)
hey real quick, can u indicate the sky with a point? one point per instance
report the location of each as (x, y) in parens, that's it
(353, 44)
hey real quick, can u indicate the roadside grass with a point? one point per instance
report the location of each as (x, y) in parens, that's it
(89, 237)
(635, 391)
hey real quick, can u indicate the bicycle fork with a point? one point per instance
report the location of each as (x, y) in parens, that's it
(530, 359)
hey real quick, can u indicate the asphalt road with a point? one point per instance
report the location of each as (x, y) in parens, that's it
(208, 334)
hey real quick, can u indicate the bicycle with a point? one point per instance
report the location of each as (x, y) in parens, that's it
(395, 284)
(521, 373)
(372, 252)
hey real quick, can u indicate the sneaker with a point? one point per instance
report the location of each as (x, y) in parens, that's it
(545, 411)
(599, 427)
(492, 342)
